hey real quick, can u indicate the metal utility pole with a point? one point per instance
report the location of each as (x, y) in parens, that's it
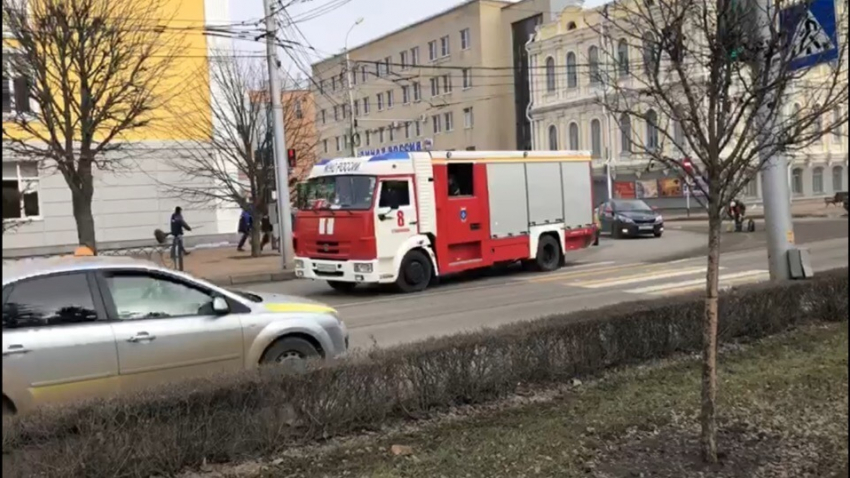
(349, 76)
(609, 151)
(774, 174)
(284, 211)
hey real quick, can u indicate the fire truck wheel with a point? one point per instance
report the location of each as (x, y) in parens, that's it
(548, 254)
(415, 272)
(342, 286)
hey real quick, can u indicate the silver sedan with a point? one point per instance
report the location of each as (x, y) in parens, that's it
(85, 327)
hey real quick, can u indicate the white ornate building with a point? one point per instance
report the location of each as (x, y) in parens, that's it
(564, 112)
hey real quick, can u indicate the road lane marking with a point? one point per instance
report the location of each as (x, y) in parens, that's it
(725, 283)
(633, 279)
(556, 276)
(693, 283)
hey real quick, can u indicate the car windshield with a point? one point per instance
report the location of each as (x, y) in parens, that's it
(347, 192)
(631, 206)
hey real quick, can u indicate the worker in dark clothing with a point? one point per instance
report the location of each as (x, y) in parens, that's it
(178, 226)
(268, 232)
(246, 223)
(737, 209)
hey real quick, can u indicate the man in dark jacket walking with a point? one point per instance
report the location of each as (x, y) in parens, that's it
(246, 223)
(178, 226)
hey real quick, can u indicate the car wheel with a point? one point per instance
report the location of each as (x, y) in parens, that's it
(615, 231)
(342, 286)
(291, 352)
(548, 256)
(415, 272)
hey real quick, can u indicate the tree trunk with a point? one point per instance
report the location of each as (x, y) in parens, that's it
(81, 202)
(256, 234)
(708, 414)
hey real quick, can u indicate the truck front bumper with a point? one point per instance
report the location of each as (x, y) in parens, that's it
(342, 271)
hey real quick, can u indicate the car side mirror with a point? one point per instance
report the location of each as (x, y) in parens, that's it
(220, 306)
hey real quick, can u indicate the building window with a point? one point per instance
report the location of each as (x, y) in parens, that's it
(797, 182)
(467, 78)
(417, 92)
(436, 124)
(571, 26)
(390, 99)
(650, 57)
(432, 50)
(402, 58)
(417, 127)
(444, 46)
(572, 72)
(550, 75)
(388, 64)
(652, 130)
(368, 138)
(324, 117)
(356, 109)
(353, 75)
(435, 86)
(553, 138)
(593, 65)
(837, 125)
(407, 130)
(380, 135)
(380, 101)
(623, 58)
(447, 83)
(414, 56)
(625, 134)
(16, 91)
(333, 83)
(837, 179)
(391, 131)
(405, 94)
(338, 144)
(468, 118)
(363, 74)
(574, 137)
(678, 136)
(818, 125)
(325, 145)
(336, 113)
(595, 139)
(465, 40)
(365, 106)
(344, 109)
(449, 120)
(752, 189)
(379, 69)
(20, 191)
(817, 180)
(322, 87)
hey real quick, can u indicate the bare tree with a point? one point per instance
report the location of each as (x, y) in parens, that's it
(229, 156)
(93, 72)
(707, 88)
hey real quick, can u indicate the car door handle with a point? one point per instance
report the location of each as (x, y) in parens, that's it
(475, 226)
(15, 349)
(141, 337)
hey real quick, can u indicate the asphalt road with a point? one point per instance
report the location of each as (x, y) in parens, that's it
(616, 271)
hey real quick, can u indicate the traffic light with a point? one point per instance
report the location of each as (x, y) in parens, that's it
(290, 158)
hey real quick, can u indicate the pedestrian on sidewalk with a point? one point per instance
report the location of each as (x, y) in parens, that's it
(246, 223)
(268, 232)
(178, 227)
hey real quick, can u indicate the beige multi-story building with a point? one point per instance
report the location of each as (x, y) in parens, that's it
(565, 113)
(454, 81)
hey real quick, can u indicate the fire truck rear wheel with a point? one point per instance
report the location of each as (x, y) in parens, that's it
(548, 254)
(342, 286)
(415, 272)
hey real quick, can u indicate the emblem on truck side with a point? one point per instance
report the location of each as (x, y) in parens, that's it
(463, 214)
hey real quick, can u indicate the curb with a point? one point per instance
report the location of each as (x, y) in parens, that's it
(279, 276)
(753, 216)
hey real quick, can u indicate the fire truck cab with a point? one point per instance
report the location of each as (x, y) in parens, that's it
(408, 218)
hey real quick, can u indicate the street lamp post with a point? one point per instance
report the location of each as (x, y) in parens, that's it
(350, 80)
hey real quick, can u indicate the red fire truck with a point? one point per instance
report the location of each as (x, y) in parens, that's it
(408, 218)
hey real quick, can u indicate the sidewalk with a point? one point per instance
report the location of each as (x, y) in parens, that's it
(800, 209)
(226, 266)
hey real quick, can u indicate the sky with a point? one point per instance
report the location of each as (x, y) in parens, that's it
(327, 32)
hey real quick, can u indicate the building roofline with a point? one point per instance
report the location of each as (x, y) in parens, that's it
(434, 16)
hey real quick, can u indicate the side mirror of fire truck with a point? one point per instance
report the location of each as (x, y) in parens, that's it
(384, 213)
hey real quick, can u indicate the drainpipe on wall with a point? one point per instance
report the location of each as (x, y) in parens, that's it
(530, 93)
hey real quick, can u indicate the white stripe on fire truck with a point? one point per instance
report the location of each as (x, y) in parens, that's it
(330, 228)
(322, 225)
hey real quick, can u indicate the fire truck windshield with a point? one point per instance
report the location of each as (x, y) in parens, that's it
(344, 192)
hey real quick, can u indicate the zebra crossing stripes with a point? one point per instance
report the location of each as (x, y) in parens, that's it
(726, 281)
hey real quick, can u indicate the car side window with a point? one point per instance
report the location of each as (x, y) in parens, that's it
(49, 301)
(394, 193)
(140, 295)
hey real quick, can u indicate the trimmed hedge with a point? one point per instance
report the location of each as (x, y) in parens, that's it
(226, 418)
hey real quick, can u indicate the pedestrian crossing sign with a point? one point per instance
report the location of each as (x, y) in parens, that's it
(811, 33)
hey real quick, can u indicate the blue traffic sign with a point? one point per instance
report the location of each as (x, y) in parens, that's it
(811, 32)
